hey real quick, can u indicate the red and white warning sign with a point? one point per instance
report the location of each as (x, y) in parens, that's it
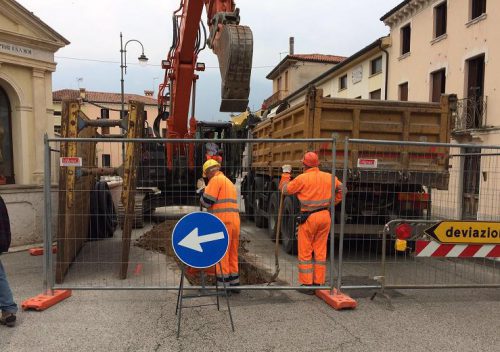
(367, 163)
(70, 161)
(435, 249)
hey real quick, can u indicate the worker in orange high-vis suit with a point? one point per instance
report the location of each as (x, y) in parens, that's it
(220, 198)
(314, 191)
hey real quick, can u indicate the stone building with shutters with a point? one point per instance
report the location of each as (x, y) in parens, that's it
(452, 47)
(27, 48)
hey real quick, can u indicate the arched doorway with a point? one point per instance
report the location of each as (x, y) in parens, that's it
(6, 152)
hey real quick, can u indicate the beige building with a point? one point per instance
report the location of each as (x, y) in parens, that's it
(294, 71)
(452, 47)
(98, 105)
(360, 76)
(448, 47)
(27, 48)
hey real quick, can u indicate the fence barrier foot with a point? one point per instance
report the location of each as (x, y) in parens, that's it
(337, 300)
(37, 251)
(44, 301)
(386, 296)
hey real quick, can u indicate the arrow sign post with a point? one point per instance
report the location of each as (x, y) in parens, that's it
(200, 240)
(466, 232)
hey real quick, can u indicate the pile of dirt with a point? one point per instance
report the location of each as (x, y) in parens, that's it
(159, 239)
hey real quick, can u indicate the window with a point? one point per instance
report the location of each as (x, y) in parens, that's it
(405, 39)
(376, 65)
(104, 113)
(438, 83)
(403, 91)
(376, 94)
(358, 97)
(286, 80)
(478, 7)
(279, 83)
(440, 18)
(57, 113)
(343, 82)
(106, 160)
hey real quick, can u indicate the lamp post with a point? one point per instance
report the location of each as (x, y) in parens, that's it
(123, 56)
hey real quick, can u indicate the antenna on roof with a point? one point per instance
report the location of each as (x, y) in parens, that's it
(78, 81)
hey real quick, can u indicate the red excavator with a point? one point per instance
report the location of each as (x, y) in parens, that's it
(233, 45)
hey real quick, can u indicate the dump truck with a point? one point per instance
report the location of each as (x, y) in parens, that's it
(397, 185)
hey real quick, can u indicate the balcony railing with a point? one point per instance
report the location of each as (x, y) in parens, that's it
(471, 113)
(275, 98)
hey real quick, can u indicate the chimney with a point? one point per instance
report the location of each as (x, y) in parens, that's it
(291, 51)
(83, 95)
(149, 93)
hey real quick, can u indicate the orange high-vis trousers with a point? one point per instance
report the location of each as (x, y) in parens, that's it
(229, 263)
(313, 238)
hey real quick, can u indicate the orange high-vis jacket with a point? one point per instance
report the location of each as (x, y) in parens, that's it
(220, 197)
(313, 189)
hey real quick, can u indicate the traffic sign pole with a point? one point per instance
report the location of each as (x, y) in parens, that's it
(200, 240)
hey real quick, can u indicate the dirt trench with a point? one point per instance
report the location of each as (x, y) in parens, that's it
(159, 239)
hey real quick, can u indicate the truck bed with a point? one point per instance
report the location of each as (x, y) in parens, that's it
(320, 117)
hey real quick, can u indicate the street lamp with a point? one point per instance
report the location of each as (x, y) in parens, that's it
(123, 55)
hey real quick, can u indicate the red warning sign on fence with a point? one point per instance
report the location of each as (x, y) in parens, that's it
(70, 161)
(367, 163)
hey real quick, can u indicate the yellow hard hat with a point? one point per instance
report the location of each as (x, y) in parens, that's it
(209, 164)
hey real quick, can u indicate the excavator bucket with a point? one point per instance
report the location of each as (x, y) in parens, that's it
(234, 50)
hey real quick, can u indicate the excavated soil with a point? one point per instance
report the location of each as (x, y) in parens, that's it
(159, 239)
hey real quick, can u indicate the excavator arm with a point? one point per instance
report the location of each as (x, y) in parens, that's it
(233, 45)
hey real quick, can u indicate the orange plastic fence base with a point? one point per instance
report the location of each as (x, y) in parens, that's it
(338, 301)
(42, 302)
(39, 251)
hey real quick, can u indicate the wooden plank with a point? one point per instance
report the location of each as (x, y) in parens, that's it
(74, 196)
(132, 150)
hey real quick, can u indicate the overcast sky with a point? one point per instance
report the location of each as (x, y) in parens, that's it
(93, 27)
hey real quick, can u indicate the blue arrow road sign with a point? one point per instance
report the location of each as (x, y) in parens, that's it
(200, 240)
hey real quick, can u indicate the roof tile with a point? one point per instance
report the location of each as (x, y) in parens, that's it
(100, 97)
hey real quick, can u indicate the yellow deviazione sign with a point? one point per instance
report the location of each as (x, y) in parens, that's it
(466, 232)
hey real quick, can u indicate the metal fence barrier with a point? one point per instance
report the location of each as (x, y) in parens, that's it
(383, 183)
(415, 185)
(87, 215)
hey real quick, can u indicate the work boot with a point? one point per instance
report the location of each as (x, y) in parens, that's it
(235, 291)
(8, 319)
(309, 292)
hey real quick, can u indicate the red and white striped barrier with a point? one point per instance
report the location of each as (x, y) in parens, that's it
(435, 249)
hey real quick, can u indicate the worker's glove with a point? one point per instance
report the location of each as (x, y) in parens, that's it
(200, 185)
(287, 169)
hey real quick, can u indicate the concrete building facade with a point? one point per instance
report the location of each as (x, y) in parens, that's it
(27, 48)
(448, 47)
(294, 71)
(452, 47)
(360, 76)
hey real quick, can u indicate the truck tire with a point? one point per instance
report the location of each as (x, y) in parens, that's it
(258, 186)
(272, 215)
(288, 227)
(260, 220)
(248, 207)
